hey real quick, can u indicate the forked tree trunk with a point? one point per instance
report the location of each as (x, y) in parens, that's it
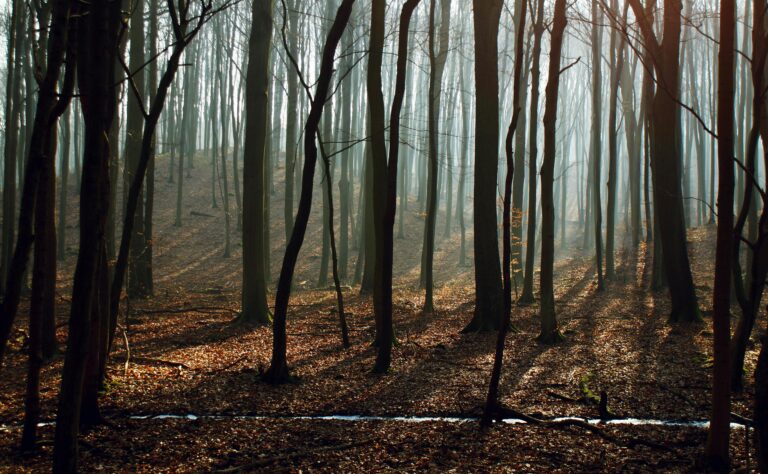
(388, 170)
(99, 26)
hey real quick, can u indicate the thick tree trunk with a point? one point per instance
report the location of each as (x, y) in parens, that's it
(385, 231)
(137, 269)
(665, 163)
(98, 41)
(488, 289)
(255, 309)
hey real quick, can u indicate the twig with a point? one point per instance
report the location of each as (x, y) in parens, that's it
(230, 365)
(169, 363)
(127, 350)
(563, 397)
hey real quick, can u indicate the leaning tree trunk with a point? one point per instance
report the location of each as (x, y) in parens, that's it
(278, 370)
(749, 298)
(492, 400)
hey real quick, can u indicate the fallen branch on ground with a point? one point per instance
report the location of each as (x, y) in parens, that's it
(196, 309)
(169, 363)
(503, 412)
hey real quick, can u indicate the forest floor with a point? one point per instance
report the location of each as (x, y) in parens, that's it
(186, 357)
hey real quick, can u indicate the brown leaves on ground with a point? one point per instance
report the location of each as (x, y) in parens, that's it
(188, 357)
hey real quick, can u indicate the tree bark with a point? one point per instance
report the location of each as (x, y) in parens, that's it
(255, 309)
(99, 26)
(549, 330)
(716, 451)
(278, 370)
(488, 289)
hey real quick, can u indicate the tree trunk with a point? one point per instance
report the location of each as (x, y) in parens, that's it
(255, 309)
(488, 289)
(527, 296)
(278, 370)
(137, 269)
(597, 106)
(717, 446)
(760, 415)
(48, 110)
(549, 330)
(492, 400)
(437, 59)
(291, 154)
(665, 163)
(99, 26)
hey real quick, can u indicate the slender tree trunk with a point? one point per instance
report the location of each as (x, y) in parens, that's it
(617, 66)
(48, 110)
(597, 111)
(527, 296)
(437, 59)
(717, 445)
(492, 400)
(549, 330)
(291, 155)
(278, 370)
(137, 270)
